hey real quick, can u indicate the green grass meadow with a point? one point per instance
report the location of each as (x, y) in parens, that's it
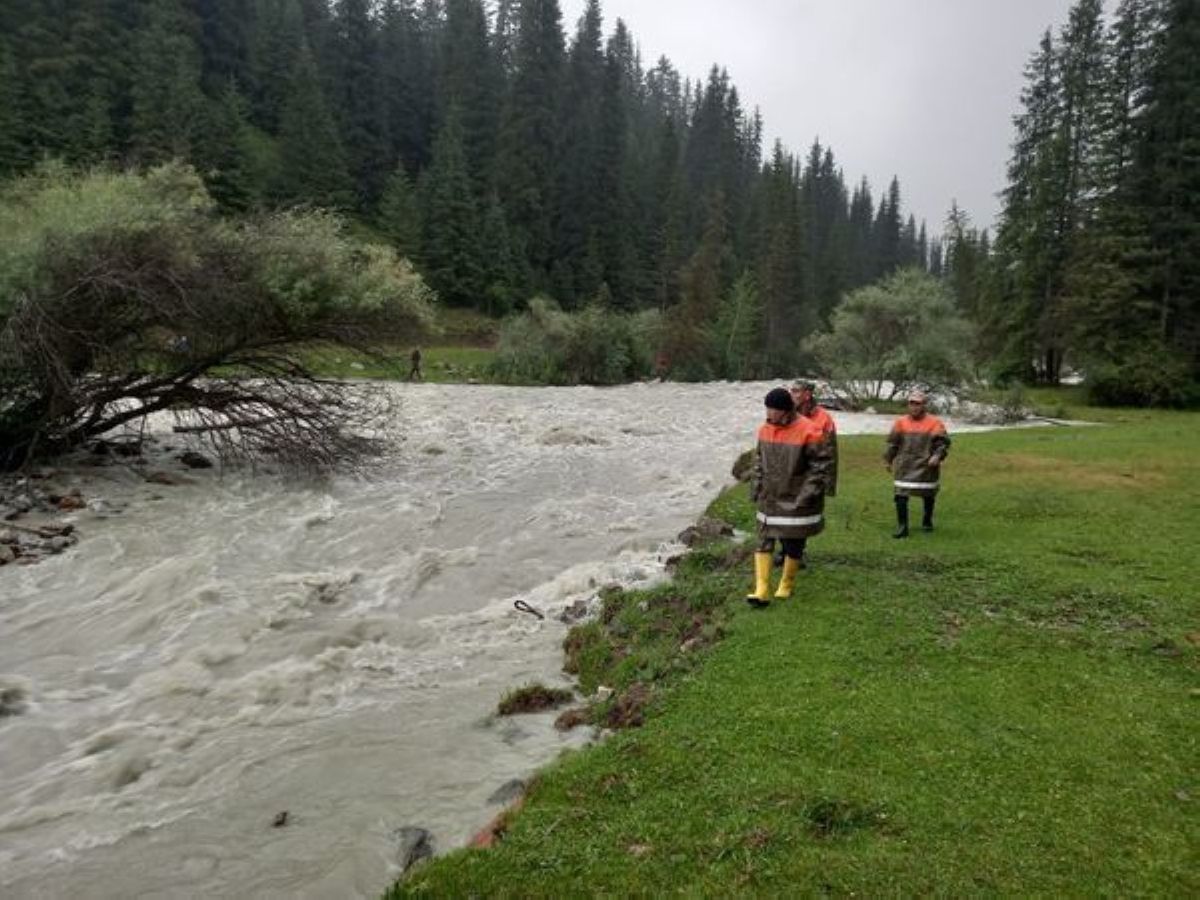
(1007, 706)
(438, 364)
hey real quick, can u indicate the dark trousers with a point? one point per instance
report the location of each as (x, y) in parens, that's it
(902, 509)
(793, 547)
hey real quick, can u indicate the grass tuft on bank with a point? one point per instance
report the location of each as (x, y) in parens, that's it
(1005, 706)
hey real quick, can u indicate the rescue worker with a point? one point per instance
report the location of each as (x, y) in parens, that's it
(916, 448)
(804, 396)
(791, 469)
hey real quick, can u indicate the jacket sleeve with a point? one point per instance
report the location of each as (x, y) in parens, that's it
(756, 473)
(831, 442)
(893, 445)
(818, 472)
(941, 444)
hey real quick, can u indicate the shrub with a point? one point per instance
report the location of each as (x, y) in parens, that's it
(1147, 376)
(595, 346)
(887, 338)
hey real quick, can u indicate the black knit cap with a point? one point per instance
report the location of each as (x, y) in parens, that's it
(779, 398)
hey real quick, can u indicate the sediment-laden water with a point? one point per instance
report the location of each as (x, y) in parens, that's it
(214, 653)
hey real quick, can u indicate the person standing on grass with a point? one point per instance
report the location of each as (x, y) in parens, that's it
(804, 396)
(415, 371)
(916, 448)
(791, 472)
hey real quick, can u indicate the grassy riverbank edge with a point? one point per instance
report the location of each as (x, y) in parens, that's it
(1004, 706)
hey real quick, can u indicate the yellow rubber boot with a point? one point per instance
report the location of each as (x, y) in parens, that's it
(788, 581)
(762, 580)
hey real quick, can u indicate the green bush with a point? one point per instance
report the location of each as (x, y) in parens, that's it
(595, 346)
(889, 337)
(1148, 376)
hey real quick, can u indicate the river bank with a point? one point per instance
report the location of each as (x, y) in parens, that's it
(219, 651)
(1004, 706)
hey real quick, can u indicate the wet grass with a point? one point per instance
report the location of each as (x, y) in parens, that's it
(1006, 706)
(533, 698)
(438, 364)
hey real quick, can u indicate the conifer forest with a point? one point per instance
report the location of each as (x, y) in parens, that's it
(512, 155)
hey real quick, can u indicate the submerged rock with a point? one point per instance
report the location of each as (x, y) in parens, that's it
(743, 466)
(705, 530)
(508, 792)
(194, 460)
(14, 700)
(576, 612)
(413, 845)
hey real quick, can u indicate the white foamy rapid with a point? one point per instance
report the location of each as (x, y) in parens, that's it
(241, 645)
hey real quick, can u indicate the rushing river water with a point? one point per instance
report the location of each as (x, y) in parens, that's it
(241, 645)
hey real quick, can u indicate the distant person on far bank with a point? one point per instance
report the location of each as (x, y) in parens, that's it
(414, 373)
(916, 448)
(791, 471)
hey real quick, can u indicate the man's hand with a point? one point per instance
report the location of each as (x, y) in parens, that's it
(934, 462)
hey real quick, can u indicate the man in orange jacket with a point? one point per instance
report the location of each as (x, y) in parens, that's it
(791, 472)
(804, 396)
(916, 448)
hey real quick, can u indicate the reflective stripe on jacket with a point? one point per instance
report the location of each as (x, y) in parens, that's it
(791, 471)
(910, 446)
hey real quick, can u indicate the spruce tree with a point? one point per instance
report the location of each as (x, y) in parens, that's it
(168, 105)
(737, 330)
(223, 154)
(784, 262)
(666, 219)
(861, 243)
(399, 215)
(408, 51)
(226, 29)
(358, 100)
(1030, 221)
(530, 135)
(470, 78)
(885, 233)
(578, 171)
(13, 140)
(688, 342)
(1166, 183)
(450, 218)
(312, 160)
(503, 276)
(619, 227)
(275, 46)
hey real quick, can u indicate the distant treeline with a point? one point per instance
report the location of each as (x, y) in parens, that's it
(505, 159)
(1096, 262)
(509, 161)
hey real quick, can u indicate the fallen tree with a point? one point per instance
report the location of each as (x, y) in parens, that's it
(123, 295)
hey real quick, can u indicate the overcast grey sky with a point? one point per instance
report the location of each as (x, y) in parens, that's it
(923, 89)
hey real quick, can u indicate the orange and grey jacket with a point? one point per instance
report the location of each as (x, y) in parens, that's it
(824, 421)
(910, 446)
(791, 472)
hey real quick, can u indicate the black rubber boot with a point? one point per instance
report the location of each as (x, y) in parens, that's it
(901, 517)
(927, 518)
